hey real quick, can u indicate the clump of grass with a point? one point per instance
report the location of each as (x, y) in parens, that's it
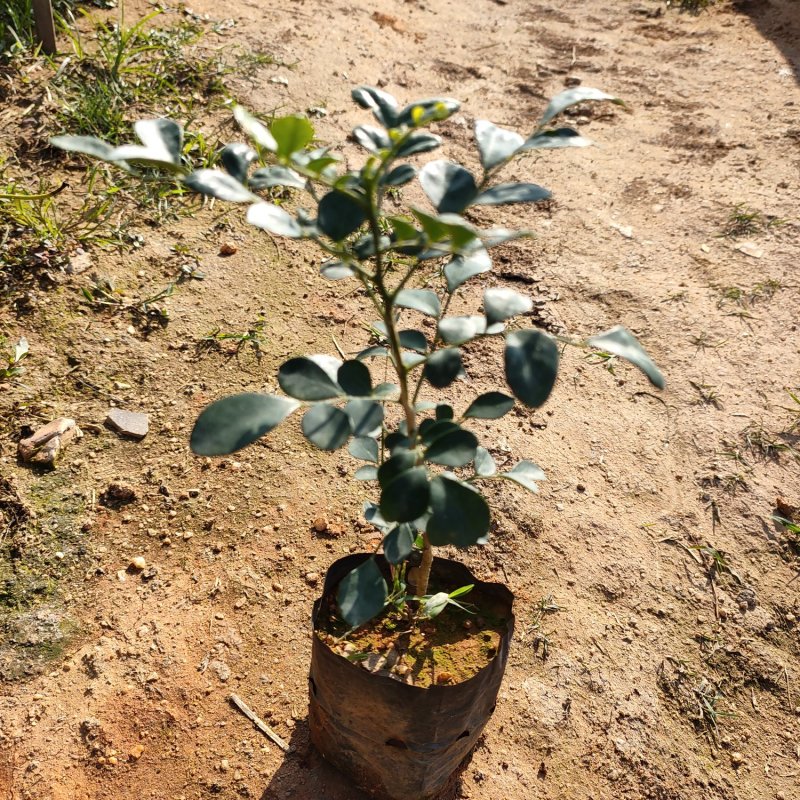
(535, 633)
(691, 6)
(746, 221)
(759, 439)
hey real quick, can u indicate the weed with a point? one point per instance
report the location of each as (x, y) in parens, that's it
(708, 394)
(707, 696)
(703, 340)
(761, 440)
(608, 360)
(540, 638)
(794, 411)
(253, 336)
(746, 221)
(10, 359)
(691, 6)
(102, 295)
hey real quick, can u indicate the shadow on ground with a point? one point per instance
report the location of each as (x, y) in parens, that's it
(305, 775)
(778, 21)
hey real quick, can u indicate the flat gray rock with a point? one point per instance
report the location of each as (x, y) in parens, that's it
(128, 423)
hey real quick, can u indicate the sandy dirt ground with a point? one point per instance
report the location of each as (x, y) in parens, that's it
(673, 666)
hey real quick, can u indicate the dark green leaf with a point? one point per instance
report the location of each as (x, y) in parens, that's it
(233, 422)
(398, 443)
(454, 449)
(365, 246)
(506, 193)
(366, 416)
(449, 186)
(458, 330)
(431, 429)
(453, 229)
(339, 215)
(443, 367)
(236, 158)
(405, 498)
(570, 97)
(326, 426)
(381, 103)
(401, 461)
(366, 473)
(291, 134)
(255, 129)
(364, 448)
(621, 342)
(419, 143)
(275, 220)
(398, 543)
(484, 463)
(422, 112)
(399, 176)
(336, 271)
(526, 473)
(491, 405)
(466, 266)
(385, 391)
(495, 145)
(413, 340)
(362, 594)
(531, 361)
(501, 304)
(444, 412)
(548, 140)
(422, 300)
(372, 514)
(216, 183)
(373, 352)
(411, 360)
(267, 177)
(354, 378)
(460, 515)
(371, 138)
(304, 379)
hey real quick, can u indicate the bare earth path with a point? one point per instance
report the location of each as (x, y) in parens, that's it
(647, 655)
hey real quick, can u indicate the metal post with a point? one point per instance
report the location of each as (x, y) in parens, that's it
(45, 27)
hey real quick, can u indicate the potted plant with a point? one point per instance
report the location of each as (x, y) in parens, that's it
(399, 733)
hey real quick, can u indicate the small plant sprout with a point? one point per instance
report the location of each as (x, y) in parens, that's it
(10, 360)
(424, 467)
(432, 605)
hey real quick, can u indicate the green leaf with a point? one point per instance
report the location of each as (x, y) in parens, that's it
(373, 352)
(422, 300)
(443, 367)
(458, 330)
(621, 342)
(326, 426)
(216, 183)
(291, 134)
(434, 604)
(267, 177)
(336, 271)
(339, 215)
(496, 145)
(364, 448)
(21, 349)
(506, 193)
(452, 229)
(236, 158)
(398, 543)
(548, 140)
(570, 97)
(366, 473)
(491, 405)
(399, 176)
(422, 112)
(354, 378)
(275, 220)
(526, 473)
(501, 304)
(460, 515)
(372, 514)
(231, 423)
(411, 360)
(413, 340)
(385, 391)
(419, 143)
(444, 412)
(431, 429)
(86, 145)
(255, 129)
(466, 266)
(454, 449)
(449, 186)
(366, 416)
(484, 463)
(362, 594)
(381, 103)
(162, 144)
(531, 361)
(304, 379)
(371, 138)
(401, 461)
(405, 498)
(495, 236)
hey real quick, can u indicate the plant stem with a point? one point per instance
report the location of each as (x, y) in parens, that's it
(424, 569)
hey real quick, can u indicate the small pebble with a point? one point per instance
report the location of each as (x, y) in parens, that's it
(224, 765)
(312, 578)
(737, 759)
(138, 563)
(136, 751)
(227, 249)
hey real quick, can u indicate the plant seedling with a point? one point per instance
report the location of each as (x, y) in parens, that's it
(425, 468)
(11, 368)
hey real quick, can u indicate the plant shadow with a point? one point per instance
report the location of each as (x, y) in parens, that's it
(778, 21)
(305, 775)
